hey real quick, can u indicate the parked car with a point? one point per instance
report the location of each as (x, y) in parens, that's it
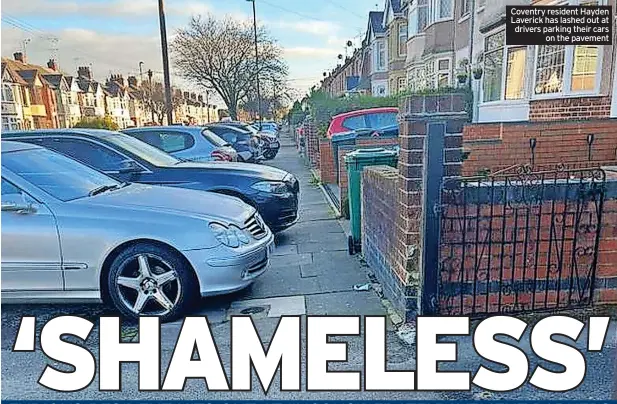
(373, 118)
(269, 127)
(248, 146)
(71, 233)
(188, 143)
(271, 144)
(273, 192)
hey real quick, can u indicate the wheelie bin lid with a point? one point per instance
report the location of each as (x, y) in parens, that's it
(343, 136)
(373, 156)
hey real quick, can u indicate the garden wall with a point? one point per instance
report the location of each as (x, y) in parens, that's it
(492, 147)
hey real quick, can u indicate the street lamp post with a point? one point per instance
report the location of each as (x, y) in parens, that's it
(150, 91)
(168, 105)
(256, 64)
(208, 104)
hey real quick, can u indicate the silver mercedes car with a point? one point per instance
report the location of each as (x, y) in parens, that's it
(70, 233)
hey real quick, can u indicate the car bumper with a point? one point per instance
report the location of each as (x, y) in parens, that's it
(220, 271)
(278, 211)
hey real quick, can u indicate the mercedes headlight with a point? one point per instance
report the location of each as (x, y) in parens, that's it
(273, 187)
(230, 236)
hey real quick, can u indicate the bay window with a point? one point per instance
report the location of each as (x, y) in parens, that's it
(465, 7)
(442, 10)
(515, 73)
(416, 79)
(584, 68)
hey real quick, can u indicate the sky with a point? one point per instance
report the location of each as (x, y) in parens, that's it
(113, 36)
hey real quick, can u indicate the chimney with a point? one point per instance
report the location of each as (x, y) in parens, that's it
(20, 57)
(84, 72)
(53, 65)
(193, 96)
(186, 95)
(132, 81)
(200, 98)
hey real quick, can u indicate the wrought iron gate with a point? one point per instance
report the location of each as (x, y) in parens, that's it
(520, 241)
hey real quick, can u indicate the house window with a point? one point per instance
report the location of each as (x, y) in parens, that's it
(465, 7)
(584, 68)
(443, 9)
(402, 84)
(493, 66)
(429, 75)
(515, 73)
(418, 16)
(402, 39)
(381, 56)
(443, 73)
(550, 65)
(416, 80)
(7, 93)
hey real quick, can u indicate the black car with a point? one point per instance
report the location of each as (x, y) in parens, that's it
(273, 192)
(271, 144)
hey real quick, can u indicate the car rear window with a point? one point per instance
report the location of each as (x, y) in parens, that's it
(355, 122)
(214, 139)
(381, 120)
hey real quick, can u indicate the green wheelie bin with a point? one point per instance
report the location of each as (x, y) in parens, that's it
(355, 163)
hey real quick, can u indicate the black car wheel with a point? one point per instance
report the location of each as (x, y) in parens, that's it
(148, 279)
(270, 154)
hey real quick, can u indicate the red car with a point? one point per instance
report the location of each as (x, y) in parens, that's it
(374, 118)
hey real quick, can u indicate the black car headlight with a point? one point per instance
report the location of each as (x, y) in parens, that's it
(272, 187)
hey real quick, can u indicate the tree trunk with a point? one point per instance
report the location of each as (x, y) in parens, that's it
(233, 112)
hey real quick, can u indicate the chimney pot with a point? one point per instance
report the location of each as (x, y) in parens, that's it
(84, 71)
(19, 56)
(52, 64)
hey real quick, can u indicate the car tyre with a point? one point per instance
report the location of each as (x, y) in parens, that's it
(150, 279)
(270, 154)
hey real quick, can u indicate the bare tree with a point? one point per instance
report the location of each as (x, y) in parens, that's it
(219, 54)
(155, 100)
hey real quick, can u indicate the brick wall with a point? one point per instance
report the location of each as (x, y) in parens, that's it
(379, 241)
(327, 168)
(570, 108)
(312, 142)
(498, 146)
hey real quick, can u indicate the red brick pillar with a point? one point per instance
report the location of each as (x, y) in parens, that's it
(430, 140)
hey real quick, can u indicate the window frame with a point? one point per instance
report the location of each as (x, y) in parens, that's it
(568, 61)
(415, 7)
(402, 33)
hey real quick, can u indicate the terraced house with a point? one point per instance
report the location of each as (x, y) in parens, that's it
(14, 100)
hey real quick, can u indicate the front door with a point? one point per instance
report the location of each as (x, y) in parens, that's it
(31, 258)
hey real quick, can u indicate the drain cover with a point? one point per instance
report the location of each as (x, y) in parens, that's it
(253, 310)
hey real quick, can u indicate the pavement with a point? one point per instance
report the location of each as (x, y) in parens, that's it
(311, 274)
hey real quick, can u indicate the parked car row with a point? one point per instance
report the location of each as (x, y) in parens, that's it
(116, 219)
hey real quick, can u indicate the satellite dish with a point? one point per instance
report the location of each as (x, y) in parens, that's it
(340, 56)
(349, 43)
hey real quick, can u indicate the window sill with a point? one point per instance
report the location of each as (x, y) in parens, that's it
(480, 9)
(556, 96)
(498, 103)
(464, 18)
(438, 22)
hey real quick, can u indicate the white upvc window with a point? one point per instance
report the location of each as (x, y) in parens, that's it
(418, 17)
(443, 76)
(441, 10)
(402, 39)
(381, 56)
(567, 70)
(505, 68)
(416, 79)
(465, 7)
(402, 84)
